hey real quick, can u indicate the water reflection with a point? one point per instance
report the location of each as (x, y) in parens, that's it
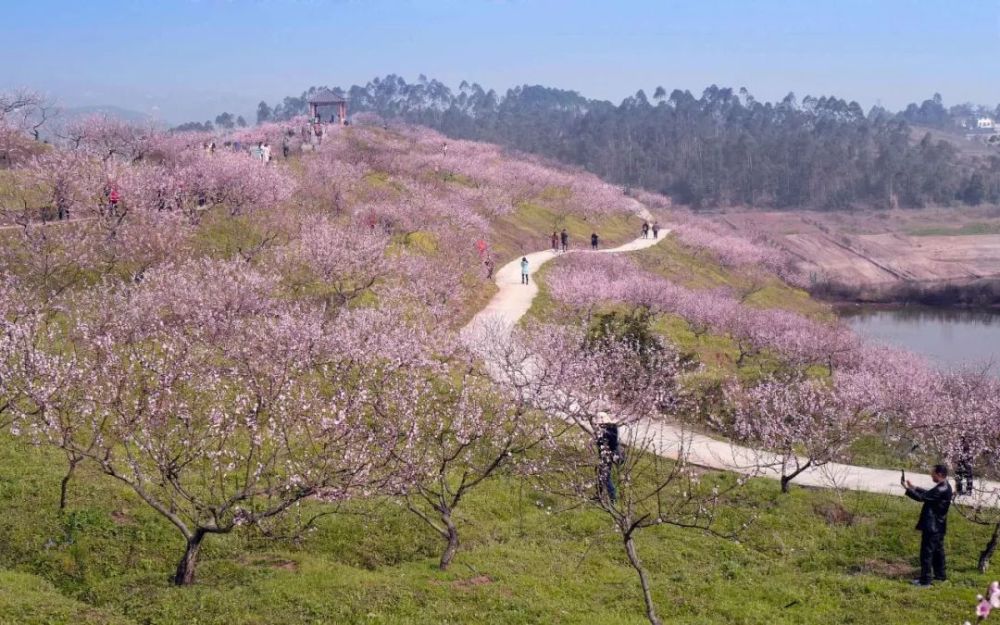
(947, 337)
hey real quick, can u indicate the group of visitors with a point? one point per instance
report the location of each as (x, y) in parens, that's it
(313, 133)
(262, 152)
(646, 229)
(108, 207)
(560, 240)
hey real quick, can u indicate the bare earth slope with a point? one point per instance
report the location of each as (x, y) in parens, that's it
(884, 248)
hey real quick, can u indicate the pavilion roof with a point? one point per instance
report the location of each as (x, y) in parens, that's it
(326, 96)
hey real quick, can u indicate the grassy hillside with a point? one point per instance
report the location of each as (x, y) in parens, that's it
(811, 558)
(530, 228)
(697, 269)
(526, 557)
(718, 354)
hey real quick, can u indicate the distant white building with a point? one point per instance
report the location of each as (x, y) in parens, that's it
(984, 129)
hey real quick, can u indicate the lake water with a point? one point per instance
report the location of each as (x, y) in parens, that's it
(949, 338)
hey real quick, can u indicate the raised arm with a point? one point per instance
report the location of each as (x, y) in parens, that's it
(926, 495)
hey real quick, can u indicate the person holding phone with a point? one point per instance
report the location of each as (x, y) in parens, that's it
(933, 523)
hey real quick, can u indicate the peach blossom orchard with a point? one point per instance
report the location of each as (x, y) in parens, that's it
(238, 341)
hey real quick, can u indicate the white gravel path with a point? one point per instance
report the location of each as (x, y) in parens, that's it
(512, 302)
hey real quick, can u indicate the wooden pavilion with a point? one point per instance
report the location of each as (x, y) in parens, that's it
(324, 101)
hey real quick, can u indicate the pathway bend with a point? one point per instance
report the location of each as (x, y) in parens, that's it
(513, 300)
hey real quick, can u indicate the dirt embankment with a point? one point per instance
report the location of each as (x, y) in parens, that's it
(941, 256)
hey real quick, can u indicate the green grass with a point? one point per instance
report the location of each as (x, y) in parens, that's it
(544, 307)
(378, 179)
(421, 241)
(957, 231)
(455, 178)
(377, 183)
(530, 227)
(712, 350)
(107, 560)
(699, 270)
(27, 599)
(874, 450)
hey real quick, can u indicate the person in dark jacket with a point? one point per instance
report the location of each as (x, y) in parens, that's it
(564, 239)
(963, 470)
(933, 523)
(594, 240)
(609, 453)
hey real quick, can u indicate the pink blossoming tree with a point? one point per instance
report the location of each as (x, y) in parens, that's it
(468, 433)
(220, 409)
(606, 388)
(799, 423)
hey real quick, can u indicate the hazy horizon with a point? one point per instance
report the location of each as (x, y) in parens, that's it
(184, 60)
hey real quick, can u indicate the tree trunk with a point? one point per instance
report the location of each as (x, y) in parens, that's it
(987, 553)
(185, 568)
(64, 484)
(647, 596)
(452, 538)
(787, 479)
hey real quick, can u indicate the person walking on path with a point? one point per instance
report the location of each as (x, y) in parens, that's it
(963, 471)
(524, 270)
(564, 239)
(933, 523)
(656, 230)
(594, 240)
(963, 477)
(645, 229)
(555, 241)
(609, 454)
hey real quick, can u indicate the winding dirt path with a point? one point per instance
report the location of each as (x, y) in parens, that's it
(512, 302)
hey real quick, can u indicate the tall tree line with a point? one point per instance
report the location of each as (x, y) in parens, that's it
(724, 148)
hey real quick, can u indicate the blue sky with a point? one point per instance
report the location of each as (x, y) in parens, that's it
(190, 59)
